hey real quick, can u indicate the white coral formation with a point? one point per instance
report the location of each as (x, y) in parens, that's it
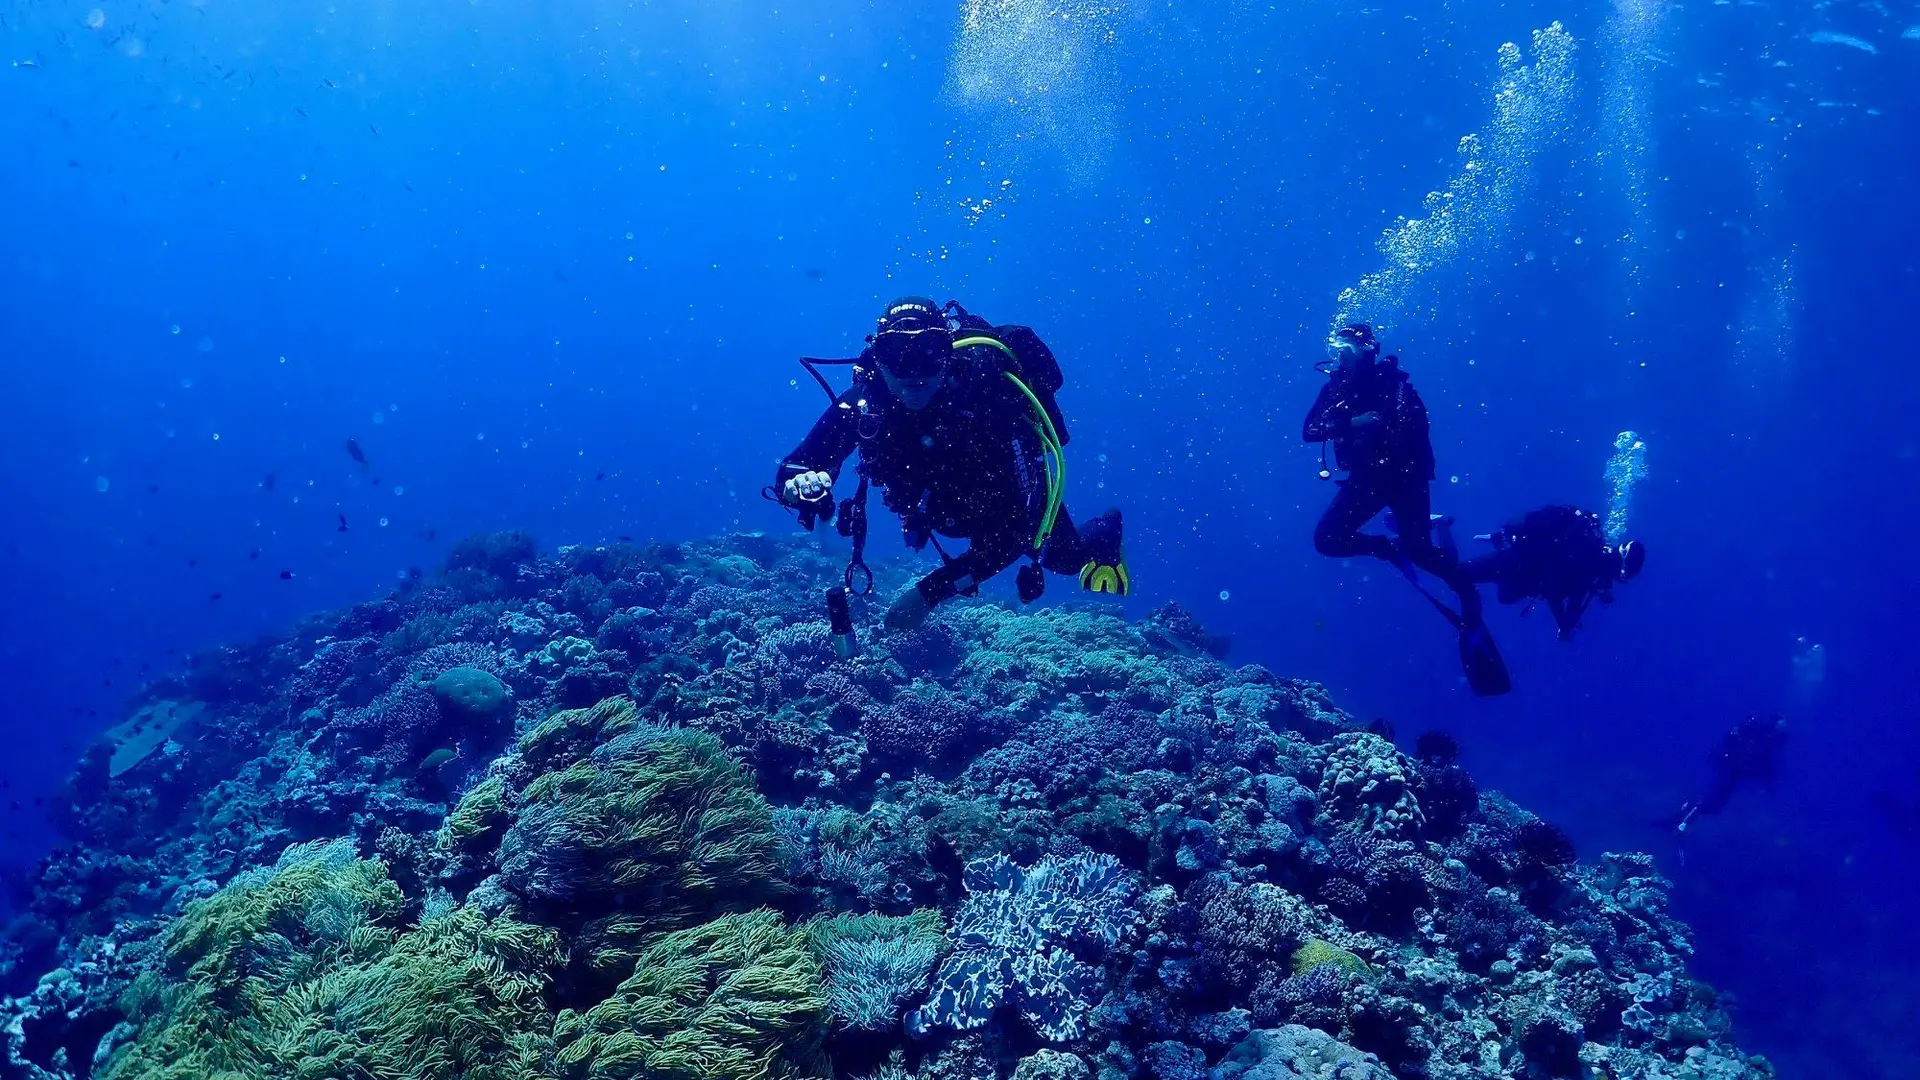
(1365, 787)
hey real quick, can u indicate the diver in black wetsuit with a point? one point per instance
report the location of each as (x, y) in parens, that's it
(1370, 414)
(956, 423)
(1749, 754)
(1558, 554)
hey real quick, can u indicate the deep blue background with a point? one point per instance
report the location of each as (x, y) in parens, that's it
(550, 270)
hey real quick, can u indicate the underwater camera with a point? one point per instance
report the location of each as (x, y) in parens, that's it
(840, 623)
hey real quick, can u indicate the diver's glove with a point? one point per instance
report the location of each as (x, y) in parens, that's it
(808, 487)
(810, 493)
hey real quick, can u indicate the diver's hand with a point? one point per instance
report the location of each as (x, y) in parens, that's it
(806, 488)
(909, 612)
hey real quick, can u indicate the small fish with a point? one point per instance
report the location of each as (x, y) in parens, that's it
(626, 539)
(269, 480)
(328, 83)
(300, 110)
(214, 596)
(286, 575)
(428, 534)
(599, 476)
(343, 522)
(72, 164)
(26, 63)
(191, 563)
(357, 454)
(406, 185)
(373, 129)
(254, 554)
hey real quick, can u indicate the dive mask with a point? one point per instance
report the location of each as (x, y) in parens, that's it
(913, 354)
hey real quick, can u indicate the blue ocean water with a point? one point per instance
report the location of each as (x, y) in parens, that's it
(549, 268)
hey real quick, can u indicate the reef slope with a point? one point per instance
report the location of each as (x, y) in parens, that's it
(622, 812)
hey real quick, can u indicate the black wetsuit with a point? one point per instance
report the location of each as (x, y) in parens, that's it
(968, 466)
(1389, 464)
(1556, 553)
(1749, 754)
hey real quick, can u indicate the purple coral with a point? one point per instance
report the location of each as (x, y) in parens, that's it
(397, 728)
(1245, 930)
(1314, 998)
(923, 725)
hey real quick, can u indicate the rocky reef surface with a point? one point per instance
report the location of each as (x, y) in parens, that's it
(621, 811)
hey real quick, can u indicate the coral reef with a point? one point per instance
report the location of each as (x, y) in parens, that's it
(621, 811)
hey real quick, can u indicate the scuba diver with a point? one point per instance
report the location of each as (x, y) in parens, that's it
(1370, 414)
(1749, 754)
(1558, 554)
(956, 423)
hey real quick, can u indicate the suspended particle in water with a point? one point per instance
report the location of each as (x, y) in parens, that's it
(96, 19)
(205, 344)
(186, 383)
(379, 418)
(101, 484)
(479, 436)
(398, 490)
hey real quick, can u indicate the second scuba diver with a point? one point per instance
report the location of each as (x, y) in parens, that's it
(1376, 424)
(956, 423)
(1558, 554)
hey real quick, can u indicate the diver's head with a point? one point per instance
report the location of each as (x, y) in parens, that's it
(913, 347)
(1633, 557)
(1353, 347)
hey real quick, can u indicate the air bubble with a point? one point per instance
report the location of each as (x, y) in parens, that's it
(101, 484)
(174, 329)
(1225, 595)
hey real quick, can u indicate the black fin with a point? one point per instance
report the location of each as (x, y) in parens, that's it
(1480, 659)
